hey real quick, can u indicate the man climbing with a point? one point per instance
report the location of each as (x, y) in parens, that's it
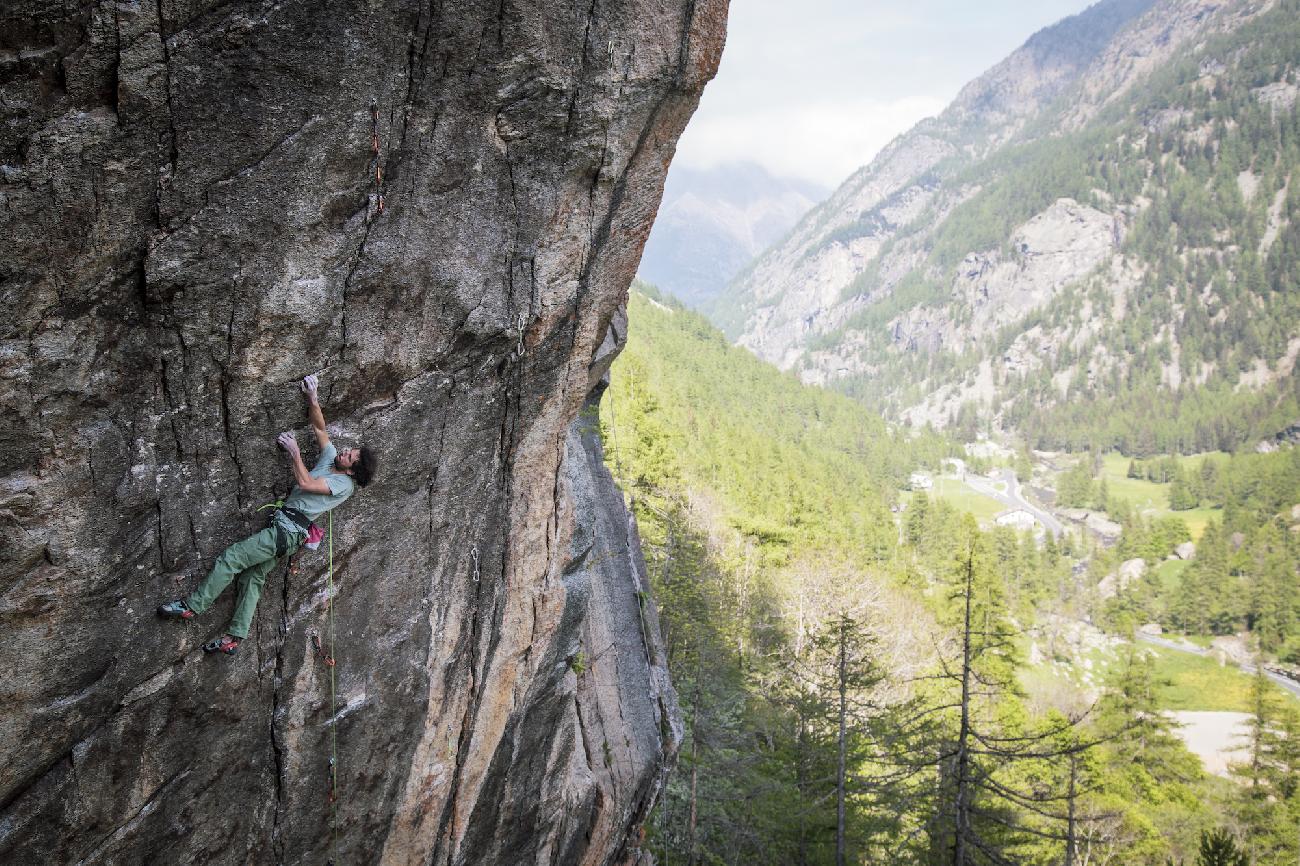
(328, 485)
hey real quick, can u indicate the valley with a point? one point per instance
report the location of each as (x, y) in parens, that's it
(998, 443)
(769, 508)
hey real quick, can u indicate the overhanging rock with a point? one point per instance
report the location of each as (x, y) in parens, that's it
(436, 207)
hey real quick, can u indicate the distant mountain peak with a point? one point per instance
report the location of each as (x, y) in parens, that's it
(1063, 234)
(714, 221)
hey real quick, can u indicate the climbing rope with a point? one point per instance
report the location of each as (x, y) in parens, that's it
(324, 650)
(329, 662)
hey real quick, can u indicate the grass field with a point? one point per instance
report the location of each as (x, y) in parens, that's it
(1170, 574)
(1186, 681)
(1200, 683)
(1149, 496)
(961, 497)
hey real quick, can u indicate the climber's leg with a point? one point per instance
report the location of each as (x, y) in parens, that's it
(252, 551)
(250, 590)
(224, 644)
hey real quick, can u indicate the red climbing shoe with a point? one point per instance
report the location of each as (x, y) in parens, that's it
(224, 644)
(175, 610)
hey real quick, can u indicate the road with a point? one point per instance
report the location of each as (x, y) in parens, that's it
(1289, 685)
(1012, 497)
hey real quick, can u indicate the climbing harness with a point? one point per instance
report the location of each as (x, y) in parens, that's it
(312, 534)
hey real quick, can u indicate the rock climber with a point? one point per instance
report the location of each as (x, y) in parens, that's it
(328, 485)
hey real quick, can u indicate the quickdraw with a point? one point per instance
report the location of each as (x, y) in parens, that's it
(320, 650)
(378, 170)
(521, 324)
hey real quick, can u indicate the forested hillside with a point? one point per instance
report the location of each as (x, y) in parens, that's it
(1115, 269)
(854, 665)
(1241, 578)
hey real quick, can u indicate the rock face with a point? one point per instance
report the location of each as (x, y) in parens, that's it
(436, 207)
(1047, 253)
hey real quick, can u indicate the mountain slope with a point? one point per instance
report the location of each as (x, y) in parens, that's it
(713, 222)
(1112, 265)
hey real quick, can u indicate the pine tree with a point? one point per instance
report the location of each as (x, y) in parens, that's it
(1076, 487)
(995, 785)
(1219, 848)
(1266, 804)
(1181, 496)
(1143, 759)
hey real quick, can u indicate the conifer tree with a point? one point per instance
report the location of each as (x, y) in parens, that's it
(1267, 804)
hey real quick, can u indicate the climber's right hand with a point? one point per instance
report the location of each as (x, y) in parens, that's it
(309, 386)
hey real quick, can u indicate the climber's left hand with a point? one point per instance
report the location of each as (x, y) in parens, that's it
(288, 443)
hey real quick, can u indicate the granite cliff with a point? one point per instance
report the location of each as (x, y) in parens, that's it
(437, 208)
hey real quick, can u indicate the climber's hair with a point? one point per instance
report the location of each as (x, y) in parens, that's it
(363, 471)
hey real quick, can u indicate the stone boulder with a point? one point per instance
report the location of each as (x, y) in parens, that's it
(1131, 570)
(1186, 550)
(1105, 528)
(436, 207)
(1117, 581)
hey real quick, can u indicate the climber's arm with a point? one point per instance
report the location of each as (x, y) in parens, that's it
(314, 414)
(301, 476)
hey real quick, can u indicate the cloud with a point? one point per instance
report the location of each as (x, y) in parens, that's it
(820, 141)
(814, 89)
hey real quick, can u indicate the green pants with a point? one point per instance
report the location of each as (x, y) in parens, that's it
(252, 560)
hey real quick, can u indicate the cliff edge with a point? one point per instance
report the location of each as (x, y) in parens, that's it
(437, 208)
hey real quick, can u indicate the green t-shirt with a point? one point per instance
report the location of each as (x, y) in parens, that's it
(315, 504)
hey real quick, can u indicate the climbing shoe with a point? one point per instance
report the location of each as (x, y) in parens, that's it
(175, 610)
(224, 644)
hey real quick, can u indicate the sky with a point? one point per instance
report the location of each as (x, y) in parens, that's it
(814, 88)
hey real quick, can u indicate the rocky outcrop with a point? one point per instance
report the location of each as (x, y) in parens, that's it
(436, 207)
(1051, 250)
